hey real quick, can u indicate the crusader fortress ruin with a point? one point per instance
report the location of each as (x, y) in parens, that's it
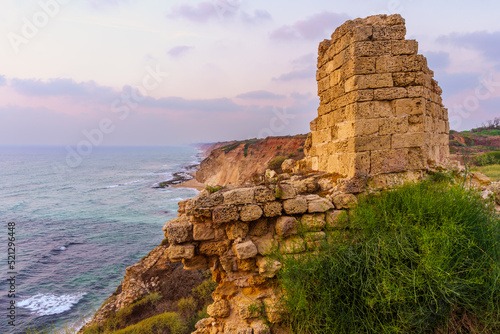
(381, 110)
(381, 118)
(380, 122)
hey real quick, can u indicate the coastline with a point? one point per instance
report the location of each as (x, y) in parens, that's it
(192, 183)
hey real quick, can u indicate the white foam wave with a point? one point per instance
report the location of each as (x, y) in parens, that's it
(62, 248)
(45, 304)
(124, 184)
(132, 182)
(178, 199)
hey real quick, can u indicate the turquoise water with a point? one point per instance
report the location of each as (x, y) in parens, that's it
(78, 228)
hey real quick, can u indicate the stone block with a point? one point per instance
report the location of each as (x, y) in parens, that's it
(288, 165)
(250, 212)
(409, 106)
(362, 33)
(267, 245)
(417, 139)
(239, 196)
(259, 228)
(383, 32)
(295, 205)
(388, 126)
(370, 49)
(237, 230)
(245, 250)
(286, 191)
(362, 65)
(390, 93)
(246, 264)
(389, 161)
(179, 252)
(344, 201)
(214, 248)
(203, 232)
(419, 91)
(179, 231)
(372, 143)
(324, 83)
(264, 194)
(268, 267)
(404, 79)
(387, 64)
(313, 125)
(369, 110)
(319, 205)
(286, 226)
(366, 127)
(412, 63)
(345, 130)
(219, 309)
(272, 209)
(416, 158)
(224, 214)
(405, 47)
(368, 81)
(292, 245)
(313, 222)
(332, 219)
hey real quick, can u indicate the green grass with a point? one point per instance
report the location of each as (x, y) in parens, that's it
(168, 322)
(414, 256)
(491, 171)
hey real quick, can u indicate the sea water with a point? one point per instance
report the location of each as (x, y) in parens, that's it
(79, 225)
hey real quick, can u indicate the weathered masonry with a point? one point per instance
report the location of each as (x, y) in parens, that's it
(380, 109)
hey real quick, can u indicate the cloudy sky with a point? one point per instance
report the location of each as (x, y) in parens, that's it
(151, 72)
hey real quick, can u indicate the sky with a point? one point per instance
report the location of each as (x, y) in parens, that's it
(151, 72)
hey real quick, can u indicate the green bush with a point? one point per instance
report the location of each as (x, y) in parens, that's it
(204, 290)
(212, 189)
(167, 322)
(412, 256)
(490, 158)
(275, 163)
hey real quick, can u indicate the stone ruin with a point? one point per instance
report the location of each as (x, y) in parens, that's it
(381, 116)
(380, 109)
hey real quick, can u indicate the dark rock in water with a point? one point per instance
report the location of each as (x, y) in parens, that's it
(178, 178)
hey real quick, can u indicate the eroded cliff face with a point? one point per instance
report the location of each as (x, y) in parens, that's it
(236, 162)
(154, 274)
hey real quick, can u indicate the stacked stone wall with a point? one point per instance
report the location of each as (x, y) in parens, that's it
(237, 232)
(380, 108)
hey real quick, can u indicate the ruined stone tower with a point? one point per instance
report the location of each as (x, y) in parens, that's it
(380, 109)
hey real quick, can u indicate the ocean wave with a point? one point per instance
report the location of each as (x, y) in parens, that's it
(123, 184)
(178, 199)
(47, 304)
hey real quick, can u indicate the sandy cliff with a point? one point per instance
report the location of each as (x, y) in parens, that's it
(235, 162)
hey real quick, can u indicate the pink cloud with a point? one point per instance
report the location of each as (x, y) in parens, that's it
(315, 27)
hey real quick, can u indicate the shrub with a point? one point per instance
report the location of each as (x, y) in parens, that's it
(213, 189)
(412, 256)
(186, 305)
(167, 322)
(205, 289)
(275, 163)
(490, 158)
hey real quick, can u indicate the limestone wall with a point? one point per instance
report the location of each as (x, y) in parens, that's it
(235, 232)
(380, 109)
